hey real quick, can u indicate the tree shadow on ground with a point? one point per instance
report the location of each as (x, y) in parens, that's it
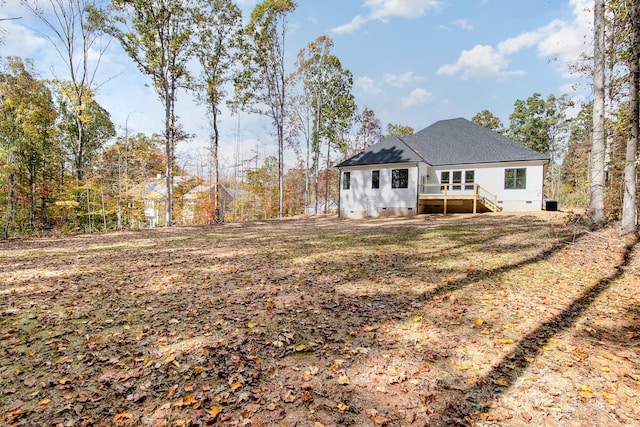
(358, 316)
(477, 398)
(262, 285)
(624, 333)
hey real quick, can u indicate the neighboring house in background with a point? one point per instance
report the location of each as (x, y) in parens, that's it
(451, 166)
(147, 201)
(233, 200)
(324, 206)
(197, 204)
(202, 195)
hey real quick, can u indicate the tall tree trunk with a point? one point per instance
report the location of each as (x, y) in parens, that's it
(104, 213)
(218, 211)
(597, 217)
(307, 170)
(326, 179)
(629, 208)
(10, 210)
(89, 216)
(280, 169)
(317, 153)
(168, 147)
(280, 129)
(32, 197)
(79, 138)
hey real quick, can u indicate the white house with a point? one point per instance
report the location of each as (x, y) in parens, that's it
(199, 203)
(323, 206)
(451, 166)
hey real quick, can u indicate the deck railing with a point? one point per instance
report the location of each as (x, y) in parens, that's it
(457, 191)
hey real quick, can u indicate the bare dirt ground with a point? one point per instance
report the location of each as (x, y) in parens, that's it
(497, 319)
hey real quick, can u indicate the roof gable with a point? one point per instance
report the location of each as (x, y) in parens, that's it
(150, 189)
(447, 142)
(390, 150)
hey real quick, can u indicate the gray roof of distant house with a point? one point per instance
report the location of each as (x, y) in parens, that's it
(447, 142)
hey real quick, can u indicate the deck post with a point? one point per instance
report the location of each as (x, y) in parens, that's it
(444, 211)
(475, 198)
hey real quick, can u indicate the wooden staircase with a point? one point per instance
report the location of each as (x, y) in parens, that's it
(488, 199)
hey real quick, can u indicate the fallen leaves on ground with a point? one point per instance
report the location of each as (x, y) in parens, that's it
(460, 320)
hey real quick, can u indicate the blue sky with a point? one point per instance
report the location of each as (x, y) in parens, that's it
(414, 62)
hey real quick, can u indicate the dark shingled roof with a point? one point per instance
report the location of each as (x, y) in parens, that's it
(390, 150)
(447, 142)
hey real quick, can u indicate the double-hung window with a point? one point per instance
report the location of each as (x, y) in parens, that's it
(346, 180)
(445, 179)
(399, 178)
(375, 179)
(457, 180)
(515, 179)
(469, 179)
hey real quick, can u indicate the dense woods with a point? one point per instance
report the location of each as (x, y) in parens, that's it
(65, 168)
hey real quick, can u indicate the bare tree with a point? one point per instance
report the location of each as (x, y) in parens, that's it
(156, 34)
(597, 216)
(328, 91)
(629, 203)
(81, 45)
(262, 86)
(219, 28)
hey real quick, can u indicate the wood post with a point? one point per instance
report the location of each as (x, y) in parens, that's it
(475, 197)
(446, 187)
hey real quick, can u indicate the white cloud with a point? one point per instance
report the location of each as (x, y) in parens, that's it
(568, 88)
(464, 24)
(19, 40)
(367, 85)
(560, 39)
(482, 62)
(417, 97)
(382, 10)
(571, 40)
(528, 39)
(400, 80)
(355, 23)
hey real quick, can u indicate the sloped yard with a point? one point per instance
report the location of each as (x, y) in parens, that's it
(497, 319)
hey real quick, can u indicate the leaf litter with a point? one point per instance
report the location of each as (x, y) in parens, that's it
(460, 320)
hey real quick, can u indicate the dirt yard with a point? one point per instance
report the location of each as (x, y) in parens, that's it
(497, 319)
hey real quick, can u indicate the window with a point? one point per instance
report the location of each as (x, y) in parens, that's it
(457, 180)
(375, 179)
(515, 179)
(346, 180)
(469, 180)
(399, 178)
(444, 179)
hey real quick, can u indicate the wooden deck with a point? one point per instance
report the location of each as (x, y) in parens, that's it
(456, 198)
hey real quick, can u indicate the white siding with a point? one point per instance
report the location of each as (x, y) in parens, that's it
(492, 178)
(360, 200)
